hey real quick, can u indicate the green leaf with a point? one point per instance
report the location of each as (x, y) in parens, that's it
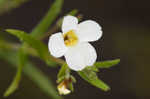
(41, 49)
(36, 75)
(22, 57)
(91, 77)
(15, 83)
(45, 23)
(93, 68)
(107, 64)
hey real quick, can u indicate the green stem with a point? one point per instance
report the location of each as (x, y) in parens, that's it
(30, 51)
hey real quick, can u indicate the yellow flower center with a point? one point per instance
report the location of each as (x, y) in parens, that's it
(70, 38)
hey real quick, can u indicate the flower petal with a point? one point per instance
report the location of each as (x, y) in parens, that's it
(80, 56)
(63, 90)
(69, 23)
(56, 45)
(89, 31)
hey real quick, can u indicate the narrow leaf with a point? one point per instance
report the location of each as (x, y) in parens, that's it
(15, 83)
(92, 78)
(45, 23)
(36, 75)
(41, 49)
(107, 64)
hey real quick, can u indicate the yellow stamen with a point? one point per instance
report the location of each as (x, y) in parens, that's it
(70, 38)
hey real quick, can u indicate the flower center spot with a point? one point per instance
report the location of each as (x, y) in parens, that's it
(70, 38)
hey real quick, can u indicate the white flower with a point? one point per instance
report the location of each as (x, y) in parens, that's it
(73, 42)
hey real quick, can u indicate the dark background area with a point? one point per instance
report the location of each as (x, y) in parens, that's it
(126, 35)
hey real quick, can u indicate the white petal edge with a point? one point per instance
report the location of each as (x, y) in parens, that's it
(56, 45)
(89, 31)
(69, 23)
(80, 56)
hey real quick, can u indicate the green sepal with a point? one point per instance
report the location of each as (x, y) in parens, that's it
(73, 79)
(71, 87)
(63, 71)
(60, 79)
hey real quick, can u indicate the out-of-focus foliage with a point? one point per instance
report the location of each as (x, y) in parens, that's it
(17, 78)
(45, 23)
(36, 75)
(7, 5)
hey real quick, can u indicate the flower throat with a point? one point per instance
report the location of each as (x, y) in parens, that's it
(70, 38)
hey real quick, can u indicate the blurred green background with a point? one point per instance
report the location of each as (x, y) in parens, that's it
(126, 35)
